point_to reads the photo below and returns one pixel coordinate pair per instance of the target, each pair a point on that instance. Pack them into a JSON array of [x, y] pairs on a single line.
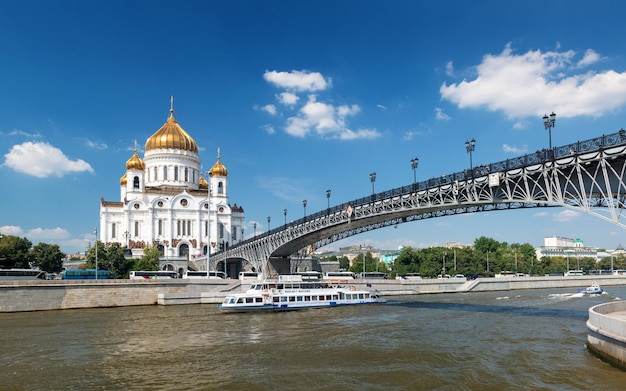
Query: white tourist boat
[[292, 293], [594, 289]]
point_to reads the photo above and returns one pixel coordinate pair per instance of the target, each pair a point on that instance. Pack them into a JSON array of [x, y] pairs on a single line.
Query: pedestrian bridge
[[587, 176]]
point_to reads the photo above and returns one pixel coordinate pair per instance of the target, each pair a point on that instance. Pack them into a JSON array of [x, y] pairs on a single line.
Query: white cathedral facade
[[166, 202]]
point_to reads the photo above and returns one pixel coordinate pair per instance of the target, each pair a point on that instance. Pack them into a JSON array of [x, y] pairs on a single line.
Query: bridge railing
[[538, 157]]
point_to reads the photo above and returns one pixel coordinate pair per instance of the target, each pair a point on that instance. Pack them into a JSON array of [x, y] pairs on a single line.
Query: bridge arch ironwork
[[586, 175]]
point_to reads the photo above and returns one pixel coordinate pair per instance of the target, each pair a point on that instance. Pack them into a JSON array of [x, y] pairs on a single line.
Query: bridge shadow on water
[[495, 309]]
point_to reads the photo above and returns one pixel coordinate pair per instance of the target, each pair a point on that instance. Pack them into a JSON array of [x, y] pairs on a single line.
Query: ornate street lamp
[[254, 225], [373, 179], [304, 205], [469, 147], [328, 197], [268, 223], [414, 163], [548, 123], [95, 232], [285, 213], [209, 174]]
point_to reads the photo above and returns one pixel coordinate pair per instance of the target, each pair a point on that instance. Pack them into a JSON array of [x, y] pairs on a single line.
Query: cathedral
[[166, 202]]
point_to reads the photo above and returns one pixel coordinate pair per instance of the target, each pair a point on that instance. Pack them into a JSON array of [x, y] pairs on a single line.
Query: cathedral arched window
[[136, 228], [164, 173], [136, 182], [175, 173], [220, 188], [186, 174]]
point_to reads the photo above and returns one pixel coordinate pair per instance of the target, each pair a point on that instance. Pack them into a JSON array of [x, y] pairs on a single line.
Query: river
[[516, 340]]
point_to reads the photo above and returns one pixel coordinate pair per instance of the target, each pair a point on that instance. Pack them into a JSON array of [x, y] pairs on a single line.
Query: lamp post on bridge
[[304, 205], [469, 147], [268, 223], [373, 179], [548, 123], [285, 213], [328, 198], [414, 163], [254, 226]]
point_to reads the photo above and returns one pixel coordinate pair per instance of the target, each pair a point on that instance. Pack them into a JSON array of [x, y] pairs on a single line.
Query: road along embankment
[[16, 296]]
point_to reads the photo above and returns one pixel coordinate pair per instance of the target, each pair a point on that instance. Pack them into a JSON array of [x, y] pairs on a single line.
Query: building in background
[[165, 202], [556, 246]]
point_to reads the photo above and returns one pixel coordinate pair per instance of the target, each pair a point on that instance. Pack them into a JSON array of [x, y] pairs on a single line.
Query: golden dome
[[123, 180], [218, 168], [135, 162], [202, 183], [171, 136]]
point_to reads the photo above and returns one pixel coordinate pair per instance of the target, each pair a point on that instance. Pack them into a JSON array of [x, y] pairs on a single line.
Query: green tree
[[15, 252], [486, 245], [118, 262], [344, 263], [149, 260], [47, 257], [90, 258], [370, 263]]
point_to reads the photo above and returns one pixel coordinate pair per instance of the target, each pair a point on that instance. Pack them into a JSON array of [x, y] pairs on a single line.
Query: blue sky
[[301, 97]]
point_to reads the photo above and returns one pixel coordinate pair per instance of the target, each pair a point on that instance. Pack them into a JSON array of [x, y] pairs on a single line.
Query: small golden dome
[[135, 162], [171, 136], [123, 180], [218, 168], [202, 183]]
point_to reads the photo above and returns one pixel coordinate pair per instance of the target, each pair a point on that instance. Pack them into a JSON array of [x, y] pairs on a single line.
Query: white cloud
[[47, 233], [327, 121], [287, 98], [18, 132], [314, 116], [515, 150], [533, 82], [449, 68], [269, 129], [297, 80], [93, 144], [440, 115], [382, 107], [270, 109], [566, 216], [11, 230], [591, 57], [42, 160]]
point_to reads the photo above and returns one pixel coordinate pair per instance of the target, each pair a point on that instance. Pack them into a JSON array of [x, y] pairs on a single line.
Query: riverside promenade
[[19, 296]]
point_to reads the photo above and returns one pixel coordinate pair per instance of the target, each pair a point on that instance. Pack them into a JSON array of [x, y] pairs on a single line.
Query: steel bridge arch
[[587, 176]]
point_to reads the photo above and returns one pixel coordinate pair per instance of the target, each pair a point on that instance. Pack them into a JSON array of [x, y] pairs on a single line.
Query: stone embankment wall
[[607, 332], [59, 294], [18, 296]]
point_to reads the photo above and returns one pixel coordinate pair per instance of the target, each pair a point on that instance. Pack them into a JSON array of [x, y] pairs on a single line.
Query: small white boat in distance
[[290, 293], [594, 289]]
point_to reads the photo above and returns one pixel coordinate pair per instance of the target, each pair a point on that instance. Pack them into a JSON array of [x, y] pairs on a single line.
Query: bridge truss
[[587, 176]]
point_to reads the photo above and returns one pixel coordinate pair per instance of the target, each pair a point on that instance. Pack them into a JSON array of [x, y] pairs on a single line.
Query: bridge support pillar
[[278, 266]]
